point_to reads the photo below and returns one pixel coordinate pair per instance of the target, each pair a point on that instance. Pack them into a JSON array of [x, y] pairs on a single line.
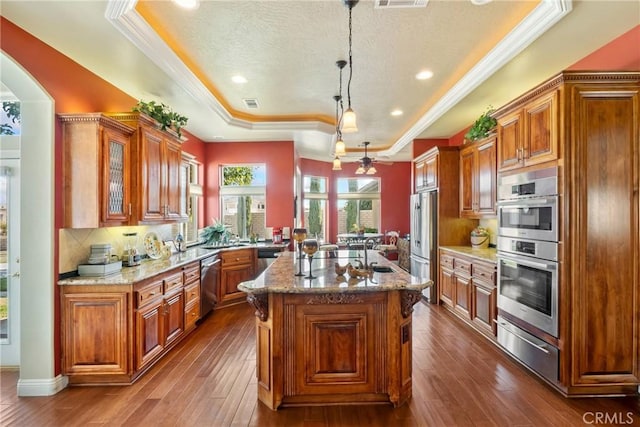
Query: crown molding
[[543, 17]]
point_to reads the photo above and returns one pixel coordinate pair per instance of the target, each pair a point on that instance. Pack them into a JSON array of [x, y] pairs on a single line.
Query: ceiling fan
[[366, 163]]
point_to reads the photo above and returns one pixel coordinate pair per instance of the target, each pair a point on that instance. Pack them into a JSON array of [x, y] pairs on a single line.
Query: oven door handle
[[539, 347], [521, 204], [527, 262]]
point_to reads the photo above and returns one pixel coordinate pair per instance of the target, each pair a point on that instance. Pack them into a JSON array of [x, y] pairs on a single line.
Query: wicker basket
[[479, 242]]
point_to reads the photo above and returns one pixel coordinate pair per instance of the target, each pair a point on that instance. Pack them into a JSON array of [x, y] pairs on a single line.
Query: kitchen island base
[[334, 348]]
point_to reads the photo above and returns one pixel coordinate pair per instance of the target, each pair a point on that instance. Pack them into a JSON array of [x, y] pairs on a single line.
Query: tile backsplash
[[75, 243]]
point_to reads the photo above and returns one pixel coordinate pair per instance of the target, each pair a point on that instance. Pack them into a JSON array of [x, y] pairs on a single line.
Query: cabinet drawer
[[486, 273], [172, 282], [462, 266], [446, 261], [191, 314], [191, 292], [148, 293], [242, 256], [191, 273]]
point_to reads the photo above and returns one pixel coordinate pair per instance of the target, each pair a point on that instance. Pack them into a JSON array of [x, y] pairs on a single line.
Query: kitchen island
[[333, 339]]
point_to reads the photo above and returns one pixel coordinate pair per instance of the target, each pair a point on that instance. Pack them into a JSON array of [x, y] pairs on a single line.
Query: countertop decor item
[[163, 114], [479, 238], [153, 245], [482, 127]]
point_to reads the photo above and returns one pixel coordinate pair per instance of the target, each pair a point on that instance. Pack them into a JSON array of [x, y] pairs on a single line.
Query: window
[[243, 199], [358, 204], [315, 206]]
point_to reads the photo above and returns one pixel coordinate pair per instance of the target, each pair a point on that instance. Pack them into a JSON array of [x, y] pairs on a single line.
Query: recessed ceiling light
[[238, 79], [188, 4], [396, 113], [424, 75]]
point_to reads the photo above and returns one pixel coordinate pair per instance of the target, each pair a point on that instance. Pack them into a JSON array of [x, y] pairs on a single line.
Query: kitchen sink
[[382, 269]]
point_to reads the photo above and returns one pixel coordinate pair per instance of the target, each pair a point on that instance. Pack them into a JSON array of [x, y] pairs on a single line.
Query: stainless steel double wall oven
[[528, 234]]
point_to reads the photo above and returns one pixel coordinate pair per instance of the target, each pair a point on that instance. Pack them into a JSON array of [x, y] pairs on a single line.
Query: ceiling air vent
[[386, 4], [250, 102]]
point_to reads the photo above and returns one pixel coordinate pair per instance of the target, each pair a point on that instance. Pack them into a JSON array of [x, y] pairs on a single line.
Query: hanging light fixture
[[349, 116], [366, 163], [337, 164], [340, 147]]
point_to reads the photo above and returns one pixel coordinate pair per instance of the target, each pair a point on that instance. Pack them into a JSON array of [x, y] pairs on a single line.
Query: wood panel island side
[[333, 339]]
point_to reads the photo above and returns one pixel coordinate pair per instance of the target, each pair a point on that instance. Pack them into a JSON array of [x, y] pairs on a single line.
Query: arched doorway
[[37, 228]]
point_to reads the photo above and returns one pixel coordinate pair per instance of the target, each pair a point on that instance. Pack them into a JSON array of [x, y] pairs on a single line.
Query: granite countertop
[[149, 268], [280, 277], [488, 254]]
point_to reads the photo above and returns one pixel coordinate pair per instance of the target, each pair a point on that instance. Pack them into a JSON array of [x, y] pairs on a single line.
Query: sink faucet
[[366, 245]]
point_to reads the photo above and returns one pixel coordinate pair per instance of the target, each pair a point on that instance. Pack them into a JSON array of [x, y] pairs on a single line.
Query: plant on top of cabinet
[[163, 114], [482, 127]]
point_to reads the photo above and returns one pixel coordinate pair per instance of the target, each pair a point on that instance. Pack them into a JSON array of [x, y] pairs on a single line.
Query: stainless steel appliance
[[209, 283], [423, 239], [528, 286], [528, 268]]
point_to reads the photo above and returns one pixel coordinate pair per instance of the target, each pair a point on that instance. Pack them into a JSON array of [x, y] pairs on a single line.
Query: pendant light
[[349, 116], [337, 164], [340, 147]]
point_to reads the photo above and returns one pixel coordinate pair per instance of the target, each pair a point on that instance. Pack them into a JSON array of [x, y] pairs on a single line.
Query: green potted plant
[[214, 234], [482, 127], [163, 114]]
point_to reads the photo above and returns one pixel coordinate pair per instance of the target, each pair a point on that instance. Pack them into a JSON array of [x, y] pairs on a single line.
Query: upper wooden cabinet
[[528, 134], [118, 169], [426, 172], [96, 169], [478, 179], [156, 175]]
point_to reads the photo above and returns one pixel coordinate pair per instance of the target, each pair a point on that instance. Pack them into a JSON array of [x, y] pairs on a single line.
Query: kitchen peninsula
[[333, 339]]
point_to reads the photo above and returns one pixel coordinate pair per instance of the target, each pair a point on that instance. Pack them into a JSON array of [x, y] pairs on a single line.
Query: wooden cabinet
[[119, 169], [191, 295], [528, 134], [96, 169], [159, 316], [95, 321], [478, 179], [157, 170], [426, 172], [601, 288], [468, 289], [111, 334], [238, 265]]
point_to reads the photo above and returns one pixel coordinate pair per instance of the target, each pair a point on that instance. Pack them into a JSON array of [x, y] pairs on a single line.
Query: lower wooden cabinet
[[468, 289], [113, 334], [238, 266]]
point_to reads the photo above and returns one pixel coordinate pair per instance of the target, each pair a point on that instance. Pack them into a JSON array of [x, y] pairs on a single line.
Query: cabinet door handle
[[518, 154], [129, 209]]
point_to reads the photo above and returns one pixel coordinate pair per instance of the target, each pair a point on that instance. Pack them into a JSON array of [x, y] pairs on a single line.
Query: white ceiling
[[480, 55]]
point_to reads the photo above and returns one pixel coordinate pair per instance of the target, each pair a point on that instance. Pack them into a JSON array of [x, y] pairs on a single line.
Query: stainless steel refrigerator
[[424, 239]]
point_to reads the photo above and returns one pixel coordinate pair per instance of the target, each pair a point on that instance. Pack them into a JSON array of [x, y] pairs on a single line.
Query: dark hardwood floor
[[459, 379]]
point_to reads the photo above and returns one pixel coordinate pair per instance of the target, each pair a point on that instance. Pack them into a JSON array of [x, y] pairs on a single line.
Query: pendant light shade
[[340, 147], [337, 164], [349, 121], [366, 163]]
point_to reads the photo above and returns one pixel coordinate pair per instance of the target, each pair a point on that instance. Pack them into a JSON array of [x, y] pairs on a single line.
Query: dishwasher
[[209, 283]]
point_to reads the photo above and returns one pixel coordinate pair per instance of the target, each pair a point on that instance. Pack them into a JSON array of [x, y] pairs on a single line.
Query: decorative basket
[[479, 242]]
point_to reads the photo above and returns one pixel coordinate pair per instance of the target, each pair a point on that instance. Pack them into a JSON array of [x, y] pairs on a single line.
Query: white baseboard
[[42, 387]]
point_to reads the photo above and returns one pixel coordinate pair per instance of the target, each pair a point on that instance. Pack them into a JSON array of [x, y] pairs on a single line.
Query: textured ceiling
[[287, 51]]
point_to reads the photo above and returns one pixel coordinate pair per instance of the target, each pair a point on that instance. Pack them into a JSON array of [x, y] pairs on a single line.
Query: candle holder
[[310, 247], [299, 234]]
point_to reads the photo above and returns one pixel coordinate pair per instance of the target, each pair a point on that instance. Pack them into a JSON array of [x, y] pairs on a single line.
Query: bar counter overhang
[[333, 339]]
